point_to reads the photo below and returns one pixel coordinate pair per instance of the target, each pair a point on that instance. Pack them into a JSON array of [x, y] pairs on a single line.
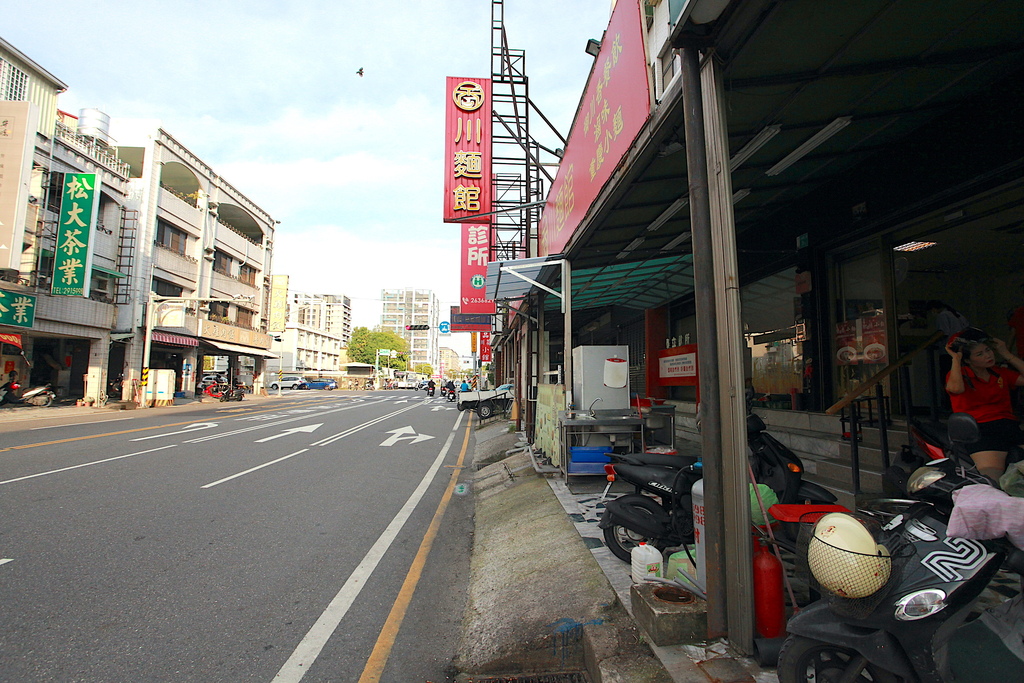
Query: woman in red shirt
[[975, 386]]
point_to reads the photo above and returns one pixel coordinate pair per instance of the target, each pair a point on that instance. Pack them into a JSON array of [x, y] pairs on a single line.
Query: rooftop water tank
[[94, 124]]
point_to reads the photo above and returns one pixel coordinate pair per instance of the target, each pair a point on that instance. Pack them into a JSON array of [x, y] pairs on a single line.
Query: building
[[204, 249], [81, 254], [331, 313], [317, 331], [450, 365], [60, 291], [403, 307]]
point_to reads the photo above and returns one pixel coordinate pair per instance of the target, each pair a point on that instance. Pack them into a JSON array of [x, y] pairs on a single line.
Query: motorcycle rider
[[431, 386], [9, 397]]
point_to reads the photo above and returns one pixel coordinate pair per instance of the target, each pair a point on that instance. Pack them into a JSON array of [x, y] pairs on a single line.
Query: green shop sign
[[71, 257], [17, 309]]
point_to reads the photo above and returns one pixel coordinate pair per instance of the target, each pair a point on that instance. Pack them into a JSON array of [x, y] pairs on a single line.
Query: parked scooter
[[39, 396], [8, 392], [897, 608], [233, 393], [668, 521]]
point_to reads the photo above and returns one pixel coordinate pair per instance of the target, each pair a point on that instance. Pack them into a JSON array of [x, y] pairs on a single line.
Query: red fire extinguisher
[[769, 603]]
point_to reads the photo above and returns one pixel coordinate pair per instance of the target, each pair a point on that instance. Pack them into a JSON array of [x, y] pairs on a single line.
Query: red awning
[[174, 339]]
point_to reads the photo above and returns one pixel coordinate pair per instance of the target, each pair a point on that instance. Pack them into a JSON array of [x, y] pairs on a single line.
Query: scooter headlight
[[920, 605]]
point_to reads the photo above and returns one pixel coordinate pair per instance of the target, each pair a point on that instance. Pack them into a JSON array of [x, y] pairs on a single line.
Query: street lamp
[[151, 302]]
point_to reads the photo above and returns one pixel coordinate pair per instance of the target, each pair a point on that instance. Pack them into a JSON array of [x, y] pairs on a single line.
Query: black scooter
[[907, 621], [668, 521]]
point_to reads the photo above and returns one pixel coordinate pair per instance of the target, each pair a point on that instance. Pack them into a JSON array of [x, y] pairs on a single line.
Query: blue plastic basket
[[589, 454]]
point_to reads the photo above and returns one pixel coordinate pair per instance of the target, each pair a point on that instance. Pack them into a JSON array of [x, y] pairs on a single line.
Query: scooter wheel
[[621, 540], [805, 659]]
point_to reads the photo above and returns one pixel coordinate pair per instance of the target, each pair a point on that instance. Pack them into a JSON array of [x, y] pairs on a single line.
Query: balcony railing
[[89, 146]]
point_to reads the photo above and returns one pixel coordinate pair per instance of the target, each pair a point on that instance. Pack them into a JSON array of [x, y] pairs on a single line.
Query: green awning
[[108, 271]]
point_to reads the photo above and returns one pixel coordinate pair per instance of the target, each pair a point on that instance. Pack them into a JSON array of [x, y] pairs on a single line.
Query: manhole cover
[[537, 678]]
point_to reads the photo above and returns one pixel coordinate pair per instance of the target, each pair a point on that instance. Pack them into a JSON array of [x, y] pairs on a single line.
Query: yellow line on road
[[389, 633], [125, 431]]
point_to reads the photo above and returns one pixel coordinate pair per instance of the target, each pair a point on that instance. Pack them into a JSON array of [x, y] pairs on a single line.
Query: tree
[[362, 347], [425, 369]]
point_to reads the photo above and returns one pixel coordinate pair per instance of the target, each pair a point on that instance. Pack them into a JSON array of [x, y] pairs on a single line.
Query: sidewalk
[[547, 597]]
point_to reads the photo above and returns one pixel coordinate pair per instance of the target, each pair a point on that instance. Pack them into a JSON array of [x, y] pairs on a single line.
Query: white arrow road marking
[[312, 644], [210, 437], [403, 433], [5, 560], [405, 401], [252, 469], [86, 464], [293, 430], [437, 408], [194, 427]]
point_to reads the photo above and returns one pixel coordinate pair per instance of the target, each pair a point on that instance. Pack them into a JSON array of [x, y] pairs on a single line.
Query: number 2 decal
[[948, 565]]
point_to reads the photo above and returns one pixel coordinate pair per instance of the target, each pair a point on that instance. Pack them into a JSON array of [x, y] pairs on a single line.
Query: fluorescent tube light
[[740, 194], [914, 246], [665, 215], [630, 247], [683, 237], [756, 143], [812, 143]]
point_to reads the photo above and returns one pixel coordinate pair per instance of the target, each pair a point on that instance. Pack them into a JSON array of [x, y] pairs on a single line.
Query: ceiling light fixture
[[756, 143], [665, 215], [676, 242], [630, 247], [914, 246], [812, 143]]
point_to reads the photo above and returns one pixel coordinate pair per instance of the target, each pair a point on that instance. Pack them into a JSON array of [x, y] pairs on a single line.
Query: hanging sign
[[17, 310], [72, 258], [467, 147], [475, 247]]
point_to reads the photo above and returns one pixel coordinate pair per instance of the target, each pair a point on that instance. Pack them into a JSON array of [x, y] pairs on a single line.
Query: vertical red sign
[[467, 150], [476, 242], [485, 347]]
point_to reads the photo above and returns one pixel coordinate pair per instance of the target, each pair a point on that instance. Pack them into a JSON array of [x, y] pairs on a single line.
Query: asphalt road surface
[[317, 536]]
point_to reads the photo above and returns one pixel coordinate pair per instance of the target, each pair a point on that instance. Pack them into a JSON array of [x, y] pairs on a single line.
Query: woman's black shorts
[[997, 435]]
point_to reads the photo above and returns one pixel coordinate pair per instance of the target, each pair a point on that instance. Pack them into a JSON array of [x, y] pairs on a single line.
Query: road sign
[[444, 327]]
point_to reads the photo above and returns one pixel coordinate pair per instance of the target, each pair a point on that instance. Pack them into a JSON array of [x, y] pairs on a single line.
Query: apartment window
[[218, 311], [171, 237], [247, 274], [13, 82], [165, 288], [244, 317], [221, 263]]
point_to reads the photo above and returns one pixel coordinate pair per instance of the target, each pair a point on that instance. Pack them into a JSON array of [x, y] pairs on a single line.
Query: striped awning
[[174, 339]]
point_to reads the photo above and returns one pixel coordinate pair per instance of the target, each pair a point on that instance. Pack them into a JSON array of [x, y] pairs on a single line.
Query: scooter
[[39, 396], [7, 393], [449, 393], [668, 521], [235, 393], [430, 392], [897, 611]]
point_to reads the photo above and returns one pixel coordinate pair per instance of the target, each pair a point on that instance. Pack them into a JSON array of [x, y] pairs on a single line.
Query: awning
[[515, 279], [173, 339], [240, 350], [108, 271]]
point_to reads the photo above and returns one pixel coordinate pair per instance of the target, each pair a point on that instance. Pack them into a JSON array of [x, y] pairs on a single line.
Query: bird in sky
[[360, 72]]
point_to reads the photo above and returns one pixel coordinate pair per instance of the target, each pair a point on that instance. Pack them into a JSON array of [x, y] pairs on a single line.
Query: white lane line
[[265, 425], [87, 464], [353, 430], [4, 560], [251, 469], [313, 642], [80, 424]]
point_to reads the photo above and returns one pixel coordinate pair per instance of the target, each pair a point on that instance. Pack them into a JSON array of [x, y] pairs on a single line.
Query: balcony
[[99, 153], [230, 286]]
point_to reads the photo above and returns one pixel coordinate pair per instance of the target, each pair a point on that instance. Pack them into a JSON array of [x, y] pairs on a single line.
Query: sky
[[267, 94]]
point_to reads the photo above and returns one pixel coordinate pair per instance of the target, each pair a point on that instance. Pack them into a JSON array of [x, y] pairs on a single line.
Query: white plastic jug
[[646, 561]]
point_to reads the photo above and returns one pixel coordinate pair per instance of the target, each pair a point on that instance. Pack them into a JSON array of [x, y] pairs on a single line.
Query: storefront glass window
[[860, 335], [774, 337]]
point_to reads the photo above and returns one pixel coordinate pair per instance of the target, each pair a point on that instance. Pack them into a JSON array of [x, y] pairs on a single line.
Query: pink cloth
[[984, 512]]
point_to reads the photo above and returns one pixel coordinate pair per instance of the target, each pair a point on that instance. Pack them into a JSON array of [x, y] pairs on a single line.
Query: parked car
[[487, 403], [324, 383], [290, 382]]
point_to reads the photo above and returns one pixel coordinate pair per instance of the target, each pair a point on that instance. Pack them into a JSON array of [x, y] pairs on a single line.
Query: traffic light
[[417, 327]]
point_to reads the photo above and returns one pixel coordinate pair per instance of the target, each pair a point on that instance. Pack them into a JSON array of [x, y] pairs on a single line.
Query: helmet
[[845, 558], [964, 340]]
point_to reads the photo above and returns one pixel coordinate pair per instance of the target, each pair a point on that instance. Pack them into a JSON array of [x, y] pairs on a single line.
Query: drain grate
[[537, 678]]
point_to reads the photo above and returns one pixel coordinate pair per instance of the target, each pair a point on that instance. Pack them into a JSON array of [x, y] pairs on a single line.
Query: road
[[316, 536]]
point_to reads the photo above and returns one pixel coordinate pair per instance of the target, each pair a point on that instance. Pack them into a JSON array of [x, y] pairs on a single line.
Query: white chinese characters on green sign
[[17, 309], [70, 272]]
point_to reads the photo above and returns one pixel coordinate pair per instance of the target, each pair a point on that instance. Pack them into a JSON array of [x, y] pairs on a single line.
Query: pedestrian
[[977, 387], [947, 319]]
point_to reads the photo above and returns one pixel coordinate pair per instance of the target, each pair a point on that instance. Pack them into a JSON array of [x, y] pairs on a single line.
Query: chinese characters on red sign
[[475, 247], [616, 104], [467, 150], [485, 347]]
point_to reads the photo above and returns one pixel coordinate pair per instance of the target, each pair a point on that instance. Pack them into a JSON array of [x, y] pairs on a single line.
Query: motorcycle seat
[[656, 459], [802, 513]]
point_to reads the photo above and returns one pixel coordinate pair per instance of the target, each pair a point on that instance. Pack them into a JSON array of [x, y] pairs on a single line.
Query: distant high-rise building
[[404, 307], [330, 313]]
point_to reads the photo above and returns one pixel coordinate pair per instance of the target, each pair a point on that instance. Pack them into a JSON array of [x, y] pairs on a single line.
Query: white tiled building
[[403, 307]]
